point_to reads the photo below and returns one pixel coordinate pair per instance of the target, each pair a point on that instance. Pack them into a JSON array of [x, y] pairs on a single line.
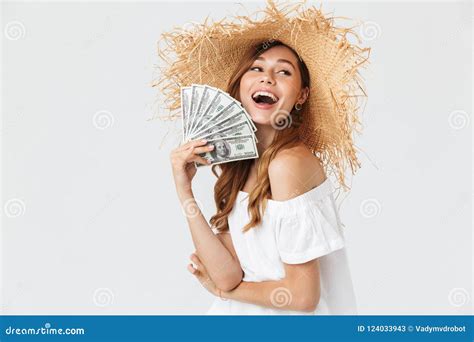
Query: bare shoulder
[[294, 171]]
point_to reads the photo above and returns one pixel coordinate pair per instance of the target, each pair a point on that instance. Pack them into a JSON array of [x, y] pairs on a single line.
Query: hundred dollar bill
[[230, 149], [185, 109], [208, 93], [216, 105], [220, 104], [231, 110], [232, 132], [196, 91], [239, 118], [243, 128], [241, 107]]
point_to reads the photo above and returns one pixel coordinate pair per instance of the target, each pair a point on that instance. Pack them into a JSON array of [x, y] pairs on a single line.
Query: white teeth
[[265, 93]]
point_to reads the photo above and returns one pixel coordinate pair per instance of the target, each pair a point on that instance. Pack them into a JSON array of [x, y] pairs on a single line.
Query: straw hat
[[208, 53]]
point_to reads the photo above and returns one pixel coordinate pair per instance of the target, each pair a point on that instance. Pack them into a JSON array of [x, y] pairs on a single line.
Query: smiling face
[[272, 85]]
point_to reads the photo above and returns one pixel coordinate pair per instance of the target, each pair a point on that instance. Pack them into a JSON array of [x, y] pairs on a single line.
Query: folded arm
[[215, 251], [299, 290]]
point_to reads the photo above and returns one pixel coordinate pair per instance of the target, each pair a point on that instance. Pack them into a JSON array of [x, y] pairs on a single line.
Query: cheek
[[245, 84], [290, 89]]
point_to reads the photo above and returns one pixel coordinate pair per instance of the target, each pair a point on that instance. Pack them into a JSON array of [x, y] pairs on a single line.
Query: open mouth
[[264, 97]]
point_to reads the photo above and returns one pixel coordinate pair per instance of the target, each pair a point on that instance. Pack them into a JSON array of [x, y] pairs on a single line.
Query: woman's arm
[[299, 290], [223, 267]]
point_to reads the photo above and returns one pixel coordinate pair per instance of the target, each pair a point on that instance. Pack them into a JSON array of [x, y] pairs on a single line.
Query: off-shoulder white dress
[[294, 231]]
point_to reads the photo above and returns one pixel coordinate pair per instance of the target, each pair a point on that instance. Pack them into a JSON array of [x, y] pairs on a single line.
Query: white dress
[[293, 231]]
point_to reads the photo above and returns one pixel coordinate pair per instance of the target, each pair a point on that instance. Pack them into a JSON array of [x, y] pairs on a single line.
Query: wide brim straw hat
[[209, 52]]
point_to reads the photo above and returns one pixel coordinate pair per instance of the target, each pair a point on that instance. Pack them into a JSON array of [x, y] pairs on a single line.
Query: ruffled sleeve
[[309, 231]]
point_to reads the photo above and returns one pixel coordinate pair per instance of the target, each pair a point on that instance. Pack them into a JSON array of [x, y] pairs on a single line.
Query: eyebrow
[[279, 61]]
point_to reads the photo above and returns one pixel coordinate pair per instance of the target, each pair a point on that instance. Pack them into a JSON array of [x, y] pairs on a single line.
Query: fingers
[[201, 160], [195, 259], [192, 143], [198, 268], [193, 154], [190, 151], [204, 149], [191, 269]]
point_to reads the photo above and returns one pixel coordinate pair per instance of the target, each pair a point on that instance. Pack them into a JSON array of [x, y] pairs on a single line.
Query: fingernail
[[204, 141], [211, 147]]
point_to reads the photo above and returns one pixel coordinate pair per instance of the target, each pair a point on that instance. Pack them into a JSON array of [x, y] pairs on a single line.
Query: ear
[[303, 96]]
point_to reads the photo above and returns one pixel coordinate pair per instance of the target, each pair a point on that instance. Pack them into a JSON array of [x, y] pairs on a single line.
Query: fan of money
[[212, 114]]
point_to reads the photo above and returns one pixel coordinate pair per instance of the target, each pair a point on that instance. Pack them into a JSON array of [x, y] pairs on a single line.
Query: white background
[[90, 220]]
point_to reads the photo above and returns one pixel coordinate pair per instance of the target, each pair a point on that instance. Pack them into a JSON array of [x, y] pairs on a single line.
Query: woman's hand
[[201, 274], [182, 162]]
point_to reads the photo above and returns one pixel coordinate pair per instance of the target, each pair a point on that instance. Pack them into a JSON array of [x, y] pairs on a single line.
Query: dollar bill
[[185, 109], [196, 90], [216, 105], [210, 113], [210, 121], [237, 118], [208, 93], [230, 149], [231, 132], [240, 105], [220, 104]]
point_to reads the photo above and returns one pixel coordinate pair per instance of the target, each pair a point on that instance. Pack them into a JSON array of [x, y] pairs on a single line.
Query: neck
[[264, 134]]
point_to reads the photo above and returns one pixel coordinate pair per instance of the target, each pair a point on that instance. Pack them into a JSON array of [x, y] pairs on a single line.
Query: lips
[[264, 99]]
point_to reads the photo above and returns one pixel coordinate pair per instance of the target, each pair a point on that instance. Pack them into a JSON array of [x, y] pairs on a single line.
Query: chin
[[260, 118]]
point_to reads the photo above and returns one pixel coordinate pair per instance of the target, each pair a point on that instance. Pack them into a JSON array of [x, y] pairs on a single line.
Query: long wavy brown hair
[[231, 177]]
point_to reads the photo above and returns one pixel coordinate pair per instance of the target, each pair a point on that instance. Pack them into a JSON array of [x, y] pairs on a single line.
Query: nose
[[266, 78]]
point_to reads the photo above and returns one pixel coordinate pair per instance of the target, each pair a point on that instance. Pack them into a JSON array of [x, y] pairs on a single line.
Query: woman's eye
[[285, 72]]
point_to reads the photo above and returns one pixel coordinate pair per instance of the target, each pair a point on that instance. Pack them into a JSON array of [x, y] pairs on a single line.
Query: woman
[[277, 245]]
